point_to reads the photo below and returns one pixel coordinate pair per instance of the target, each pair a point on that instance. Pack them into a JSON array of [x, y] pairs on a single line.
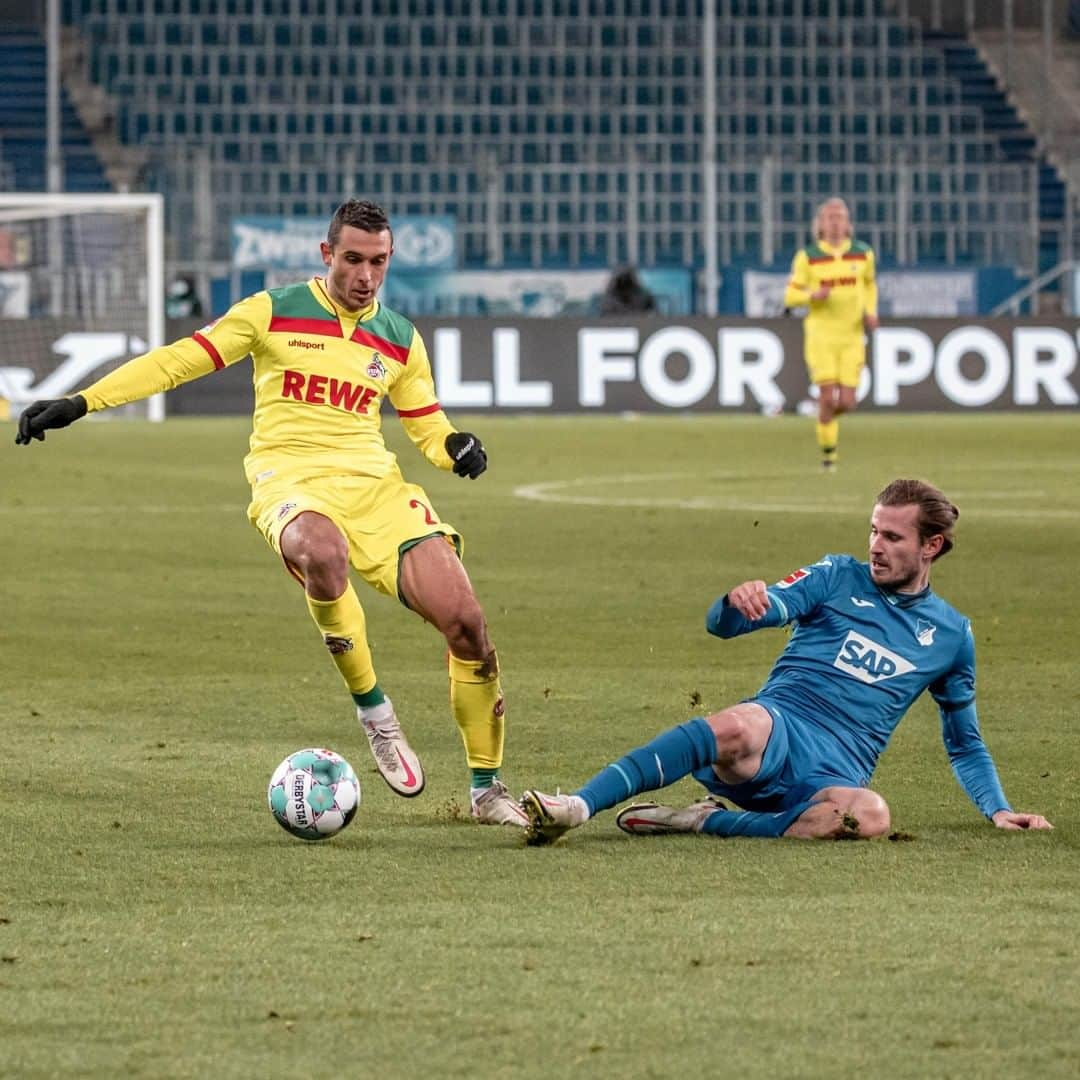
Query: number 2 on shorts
[[429, 518]]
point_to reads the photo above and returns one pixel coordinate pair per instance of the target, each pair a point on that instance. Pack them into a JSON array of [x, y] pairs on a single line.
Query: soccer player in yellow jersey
[[327, 493], [834, 277]]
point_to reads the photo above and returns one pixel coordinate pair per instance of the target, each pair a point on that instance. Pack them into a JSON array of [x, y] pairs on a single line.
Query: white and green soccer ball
[[314, 794]]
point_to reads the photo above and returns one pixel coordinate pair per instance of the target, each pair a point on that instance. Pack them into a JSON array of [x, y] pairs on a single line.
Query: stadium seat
[[845, 100]]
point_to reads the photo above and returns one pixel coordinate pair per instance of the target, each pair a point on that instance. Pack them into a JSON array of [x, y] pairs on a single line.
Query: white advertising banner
[[901, 293]]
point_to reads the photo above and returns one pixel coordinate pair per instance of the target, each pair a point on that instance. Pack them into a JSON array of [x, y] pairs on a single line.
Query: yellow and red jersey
[[848, 270], [320, 375]]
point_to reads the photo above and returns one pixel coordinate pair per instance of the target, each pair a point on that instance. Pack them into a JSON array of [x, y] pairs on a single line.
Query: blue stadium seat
[[423, 108]]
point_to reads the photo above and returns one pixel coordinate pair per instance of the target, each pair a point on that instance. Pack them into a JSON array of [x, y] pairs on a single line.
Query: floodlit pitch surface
[[158, 663]]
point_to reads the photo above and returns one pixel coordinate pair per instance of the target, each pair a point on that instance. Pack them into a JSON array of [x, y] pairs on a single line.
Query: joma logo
[[868, 661], [82, 352]]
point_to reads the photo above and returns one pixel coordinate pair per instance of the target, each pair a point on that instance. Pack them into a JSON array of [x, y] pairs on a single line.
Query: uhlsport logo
[[866, 660]]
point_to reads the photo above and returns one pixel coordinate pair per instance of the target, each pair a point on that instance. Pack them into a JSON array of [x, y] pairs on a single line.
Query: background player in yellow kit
[[327, 493], [834, 277]]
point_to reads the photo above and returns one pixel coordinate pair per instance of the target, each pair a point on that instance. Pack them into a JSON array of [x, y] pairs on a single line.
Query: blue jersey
[[859, 656]]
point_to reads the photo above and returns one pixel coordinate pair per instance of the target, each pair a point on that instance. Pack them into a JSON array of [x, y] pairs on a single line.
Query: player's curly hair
[[358, 214], [937, 515]]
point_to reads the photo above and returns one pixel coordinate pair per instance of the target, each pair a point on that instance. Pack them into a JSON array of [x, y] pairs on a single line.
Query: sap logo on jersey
[[868, 661]]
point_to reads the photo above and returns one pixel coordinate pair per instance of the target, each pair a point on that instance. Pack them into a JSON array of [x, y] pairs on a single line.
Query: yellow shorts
[[381, 518], [831, 362]]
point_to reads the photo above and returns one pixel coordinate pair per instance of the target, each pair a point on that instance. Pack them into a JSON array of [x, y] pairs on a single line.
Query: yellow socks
[[477, 704], [344, 631], [475, 694], [828, 435]]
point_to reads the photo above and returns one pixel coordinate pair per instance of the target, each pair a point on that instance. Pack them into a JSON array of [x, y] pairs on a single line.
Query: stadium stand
[[22, 122], [979, 88], [538, 122]]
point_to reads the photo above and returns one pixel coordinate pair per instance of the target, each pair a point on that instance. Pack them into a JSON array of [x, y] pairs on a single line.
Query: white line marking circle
[[569, 492]]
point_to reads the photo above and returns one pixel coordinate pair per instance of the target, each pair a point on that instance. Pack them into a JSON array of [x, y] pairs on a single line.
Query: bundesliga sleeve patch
[[793, 578]]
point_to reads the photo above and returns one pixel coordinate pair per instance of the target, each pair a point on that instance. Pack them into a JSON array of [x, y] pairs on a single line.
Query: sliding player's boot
[[652, 819], [551, 816]]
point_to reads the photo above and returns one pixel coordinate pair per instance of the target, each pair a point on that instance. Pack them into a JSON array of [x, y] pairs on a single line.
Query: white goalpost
[[82, 290]]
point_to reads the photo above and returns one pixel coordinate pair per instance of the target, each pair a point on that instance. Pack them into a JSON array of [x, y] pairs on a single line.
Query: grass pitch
[[157, 664]]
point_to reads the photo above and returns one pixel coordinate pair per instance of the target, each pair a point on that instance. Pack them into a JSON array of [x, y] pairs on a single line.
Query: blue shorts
[[799, 760]]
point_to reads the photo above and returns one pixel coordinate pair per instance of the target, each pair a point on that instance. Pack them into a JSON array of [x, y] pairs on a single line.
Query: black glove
[[39, 416], [470, 457]]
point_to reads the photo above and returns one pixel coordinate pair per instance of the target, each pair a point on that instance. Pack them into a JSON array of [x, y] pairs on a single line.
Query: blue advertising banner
[[274, 242], [531, 293]]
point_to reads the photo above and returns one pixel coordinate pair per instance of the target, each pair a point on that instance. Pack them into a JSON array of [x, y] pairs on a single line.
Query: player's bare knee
[[854, 814], [465, 631], [316, 547], [874, 816], [731, 732]]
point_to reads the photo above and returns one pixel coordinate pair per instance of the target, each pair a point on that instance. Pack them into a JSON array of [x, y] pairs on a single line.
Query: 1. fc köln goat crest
[[375, 368]]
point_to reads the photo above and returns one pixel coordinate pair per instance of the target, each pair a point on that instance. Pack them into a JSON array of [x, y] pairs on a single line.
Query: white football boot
[[551, 816], [395, 759], [496, 806], [652, 819]]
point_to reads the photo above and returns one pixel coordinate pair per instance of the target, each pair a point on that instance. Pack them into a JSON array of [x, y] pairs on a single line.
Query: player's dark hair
[[937, 516], [358, 214]]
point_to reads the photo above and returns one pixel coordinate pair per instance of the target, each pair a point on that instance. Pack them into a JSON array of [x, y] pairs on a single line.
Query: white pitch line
[[125, 508], [562, 492]]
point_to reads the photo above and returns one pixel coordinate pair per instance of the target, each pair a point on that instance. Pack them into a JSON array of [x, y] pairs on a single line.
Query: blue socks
[[669, 757], [752, 822]]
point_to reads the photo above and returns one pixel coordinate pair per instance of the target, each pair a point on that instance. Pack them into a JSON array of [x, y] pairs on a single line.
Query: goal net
[[81, 291]]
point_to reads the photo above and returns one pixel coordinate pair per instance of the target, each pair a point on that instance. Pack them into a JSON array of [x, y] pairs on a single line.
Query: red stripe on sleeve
[[208, 345], [427, 410]]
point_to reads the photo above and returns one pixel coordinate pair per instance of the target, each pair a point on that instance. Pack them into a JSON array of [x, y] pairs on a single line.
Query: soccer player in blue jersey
[[868, 638]]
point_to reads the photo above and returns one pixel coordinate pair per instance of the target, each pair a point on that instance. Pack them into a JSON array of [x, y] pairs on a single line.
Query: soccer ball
[[313, 794]]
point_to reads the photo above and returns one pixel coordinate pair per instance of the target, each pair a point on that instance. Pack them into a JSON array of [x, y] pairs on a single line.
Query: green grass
[[157, 664]]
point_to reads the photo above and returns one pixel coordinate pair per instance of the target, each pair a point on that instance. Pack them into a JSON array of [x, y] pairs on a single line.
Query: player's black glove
[[470, 457], [39, 416]]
